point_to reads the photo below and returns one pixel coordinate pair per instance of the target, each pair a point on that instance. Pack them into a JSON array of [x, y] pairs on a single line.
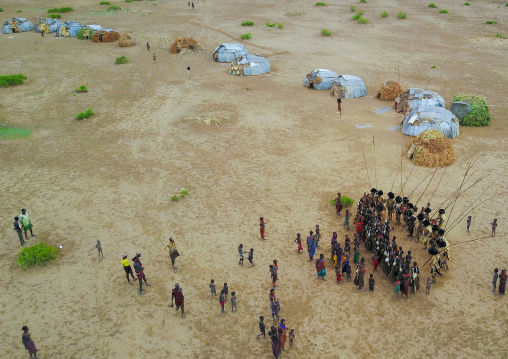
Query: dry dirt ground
[[282, 154]]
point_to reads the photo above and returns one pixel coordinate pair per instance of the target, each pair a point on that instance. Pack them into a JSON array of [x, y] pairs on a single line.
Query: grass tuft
[[114, 8], [362, 20], [293, 12], [82, 89], [248, 23], [55, 16], [60, 10], [121, 60], [280, 26], [352, 8], [432, 5], [84, 115], [491, 22], [38, 254], [443, 11], [401, 15], [104, 3], [384, 14], [12, 80], [246, 36], [325, 32], [320, 4]]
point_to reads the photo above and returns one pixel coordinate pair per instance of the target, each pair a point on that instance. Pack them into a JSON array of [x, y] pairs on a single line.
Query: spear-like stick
[[364, 160], [410, 173], [425, 190]]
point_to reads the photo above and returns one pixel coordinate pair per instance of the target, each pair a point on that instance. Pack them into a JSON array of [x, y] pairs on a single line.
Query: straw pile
[[431, 148], [389, 91], [106, 36], [125, 40], [185, 45], [337, 90]]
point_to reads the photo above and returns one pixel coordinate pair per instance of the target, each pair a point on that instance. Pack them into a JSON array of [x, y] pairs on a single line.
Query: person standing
[[240, 252], [154, 58], [173, 252], [494, 280], [428, 285], [139, 273], [99, 249], [273, 274], [192, 5], [213, 291], [502, 282], [262, 228], [320, 267], [18, 230], [346, 219], [361, 274], [375, 259], [178, 298], [468, 223], [262, 327], [298, 241], [493, 224], [251, 257], [282, 333], [28, 343], [311, 245], [233, 302], [372, 281], [275, 341], [222, 300], [338, 204], [147, 46], [26, 223], [339, 109], [127, 268]]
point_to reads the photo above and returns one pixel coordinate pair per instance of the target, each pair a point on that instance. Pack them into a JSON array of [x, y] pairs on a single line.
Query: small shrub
[[175, 198], [401, 15], [184, 193], [491, 22], [346, 201], [443, 11], [246, 36], [248, 23], [466, 3], [55, 16], [320, 4], [362, 20], [479, 115], [352, 8], [432, 5], [325, 32], [60, 9], [104, 3], [19, 11], [82, 89], [293, 12], [363, 1], [114, 8], [356, 16], [360, 12], [384, 14], [280, 26], [12, 80], [269, 25], [121, 60], [128, 0], [1, 9], [499, 36], [38, 254], [84, 115], [433, 66], [83, 31]]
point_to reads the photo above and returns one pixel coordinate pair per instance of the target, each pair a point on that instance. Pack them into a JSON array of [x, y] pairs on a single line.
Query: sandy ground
[[283, 154]]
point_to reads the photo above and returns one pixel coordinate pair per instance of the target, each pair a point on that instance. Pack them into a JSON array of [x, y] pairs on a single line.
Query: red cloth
[[262, 232], [300, 248], [179, 298], [339, 277], [375, 264], [320, 265]]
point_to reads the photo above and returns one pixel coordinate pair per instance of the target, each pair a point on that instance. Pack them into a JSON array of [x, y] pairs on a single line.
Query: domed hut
[[69, 29], [415, 97], [126, 40], [471, 110], [17, 24], [105, 35], [229, 52], [48, 25], [185, 45], [250, 65], [389, 91], [320, 79], [431, 149], [348, 86], [431, 118]]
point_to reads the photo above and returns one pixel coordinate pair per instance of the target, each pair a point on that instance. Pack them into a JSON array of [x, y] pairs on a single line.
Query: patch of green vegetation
[[293, 12], [443, 11], [19, 11], [175, 198], [466, 3], [269, 25], [184, 193], [352, 8], [246, 36], [346, 201], [1, 9], [12, 80], [363, 1], [491, 22], [104, 3], [248, 23], [384, 14], [128, 0], [432, 5], [84, 115], [356, 16], [280, 26], [83, 31], [9, 133], [362, 20], [60, 9], [499, 36], [114, 8], [325, 32], [39, 254], [55, 16], [433, 66], [121, 60], [360, 12], [320, 4], [401, 15], [479, 116], [81, 89]]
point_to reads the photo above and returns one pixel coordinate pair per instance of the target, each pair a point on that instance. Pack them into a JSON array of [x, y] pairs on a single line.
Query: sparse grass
[[84, 115], [491, 22], [105, 3], [9, 133], [269, 25], [114, 8], [184, 193], [356, 16], [362, 20], [320, 4], [325, 32], [175, 198], [246, 36], [60, 10], [499, 36], [82, 89], [12, 80], [280, 26], [384, 14], [479, 116], [1, 9], [19, 11], [466, 3], [352, 8], [363, 1], [128, 0], [432, 5], [55, 16], [443, 11], [248, 23], [401, 15], [433, 66], [121, 60], [293, 12]]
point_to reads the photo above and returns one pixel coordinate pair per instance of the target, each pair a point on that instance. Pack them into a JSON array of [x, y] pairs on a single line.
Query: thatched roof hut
[[105, 35], [185, 45], [431, 149], [431, 118], [17, 24], [69, 29], [389, 91], [229, 52], [320, 79], [125, 40], [48, 25], [250, 65]]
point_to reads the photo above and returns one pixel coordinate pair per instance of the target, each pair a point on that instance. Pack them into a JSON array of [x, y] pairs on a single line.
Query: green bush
[[444, 11], [19, 11], [246, 36], [352, 8], [346, 201], [114, 8], [81, 89], [320, 4], [11, 80], [362, 20], [269, 25], [104, 3], [83, 115], [432, 5], [248, 23], [491, 22], [60, 9], [433, 66], [401, 15], [325, 32], [466, 3], [128, 0], [356, 16], [184, 193], [1, 9], [121, 60], [479, 116], [83, 31], [55, 16], [384, 14], [363, 1], [280, 26], [360, 12], [38, 254]]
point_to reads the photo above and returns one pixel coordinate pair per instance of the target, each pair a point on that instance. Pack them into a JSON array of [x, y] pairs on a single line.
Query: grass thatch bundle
[[479, 115], [185, 45], [389, 91], [104, 36], [337, 90], [125, 40], [431, 148]]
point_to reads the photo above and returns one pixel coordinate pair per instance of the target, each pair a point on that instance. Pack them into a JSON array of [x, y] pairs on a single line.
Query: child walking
[[372, 281], [240, 252], [291, 337], [494, 280], [338, 274], [427, 286], [99, 249], [396, 291], [222, 299], [298, 241], [233, 302], [213, 291], [262, 327], [251, 257]]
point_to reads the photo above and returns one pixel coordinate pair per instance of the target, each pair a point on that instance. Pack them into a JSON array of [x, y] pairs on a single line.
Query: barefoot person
[[178, 298], [274, 338], [311, 245], [18, 230], [320, 267], [26, 223], [99, 249], [338, 204], [28, 343], [262, 228], [127, 268], [173, 252], [502, 282]]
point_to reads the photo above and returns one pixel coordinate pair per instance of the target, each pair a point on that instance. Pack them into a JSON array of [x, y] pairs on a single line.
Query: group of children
[[250, 257], [223, 296], [23, 224]]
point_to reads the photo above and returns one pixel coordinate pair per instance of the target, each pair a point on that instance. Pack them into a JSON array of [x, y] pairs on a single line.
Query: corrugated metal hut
[[69, 29], [431, 118], [105, 35], [348, 86], [320, 79], [415, 97], [48, 25], [250, 65], [229, 52], [17, 24]]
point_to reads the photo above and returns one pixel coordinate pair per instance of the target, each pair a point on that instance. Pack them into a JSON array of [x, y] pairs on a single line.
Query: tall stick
[[410, 173], [401, 154], [458, 193], [364, 160], [395, 178], [433, 193], [375, 166], [418, 185]]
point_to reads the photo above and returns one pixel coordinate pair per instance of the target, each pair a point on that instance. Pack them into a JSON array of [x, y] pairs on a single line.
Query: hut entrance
[[101, 37]]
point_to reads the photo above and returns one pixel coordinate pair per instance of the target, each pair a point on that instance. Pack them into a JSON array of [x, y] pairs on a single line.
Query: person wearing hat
[[127, 268], [28, 343], [178, 298], [441, 218], [427, 230]]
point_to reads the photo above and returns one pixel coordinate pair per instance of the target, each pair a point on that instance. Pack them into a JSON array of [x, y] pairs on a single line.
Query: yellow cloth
[[335, 260], [170, 247], [125, 262]]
